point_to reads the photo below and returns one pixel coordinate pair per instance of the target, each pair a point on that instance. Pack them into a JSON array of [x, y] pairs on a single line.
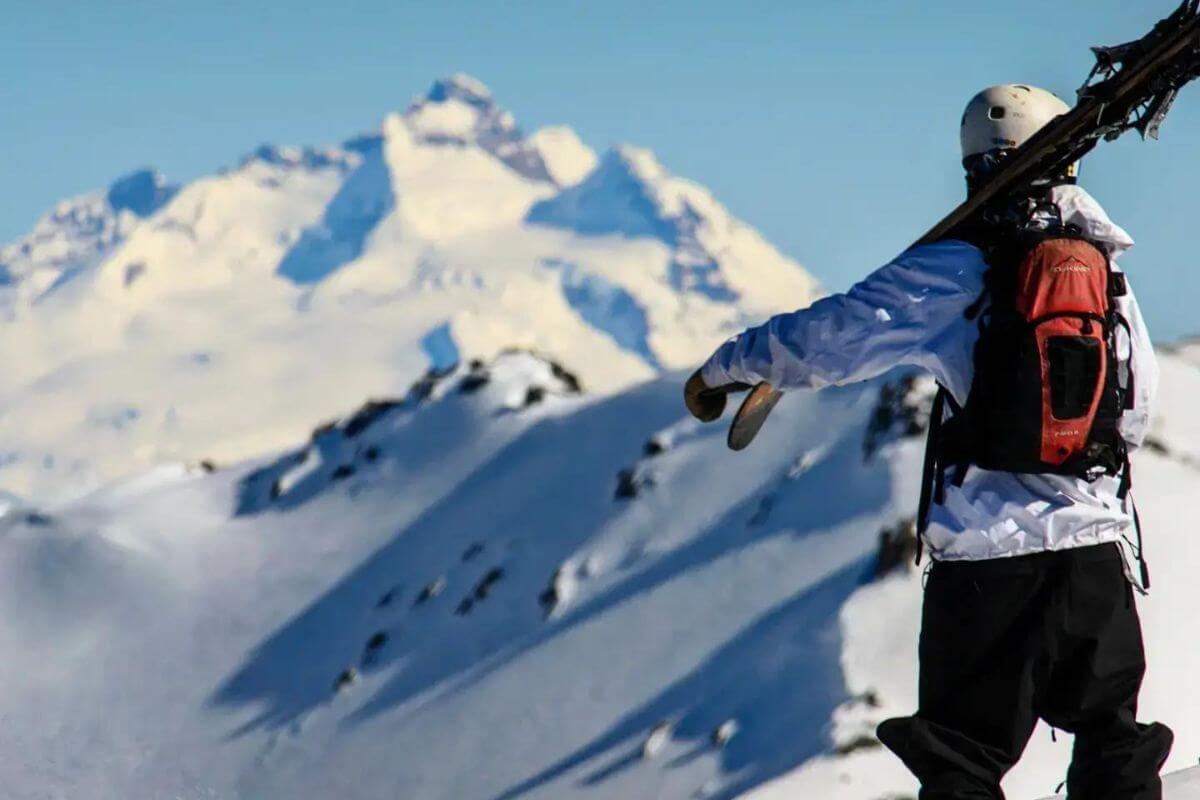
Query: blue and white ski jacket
[[910, 312]]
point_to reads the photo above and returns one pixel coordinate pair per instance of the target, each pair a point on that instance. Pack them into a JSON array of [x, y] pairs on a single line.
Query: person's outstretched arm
[[910, 311]]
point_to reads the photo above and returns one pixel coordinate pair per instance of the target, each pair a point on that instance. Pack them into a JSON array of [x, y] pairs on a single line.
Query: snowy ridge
[[630, 194], [323, 273], [351, 613], [78, 234], [495, 586]]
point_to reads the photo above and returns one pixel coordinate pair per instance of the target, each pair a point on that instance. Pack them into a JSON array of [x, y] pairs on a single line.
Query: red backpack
[[1049, 385]]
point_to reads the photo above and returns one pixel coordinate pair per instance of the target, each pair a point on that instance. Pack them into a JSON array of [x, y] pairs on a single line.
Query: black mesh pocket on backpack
[[1074, 374]]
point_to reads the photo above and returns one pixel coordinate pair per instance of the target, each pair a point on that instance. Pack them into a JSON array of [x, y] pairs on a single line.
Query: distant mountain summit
[[460, 110], [220, 318], [78, 233]]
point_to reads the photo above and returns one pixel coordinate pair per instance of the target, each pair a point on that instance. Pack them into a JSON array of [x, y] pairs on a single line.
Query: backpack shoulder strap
[[931, 469]]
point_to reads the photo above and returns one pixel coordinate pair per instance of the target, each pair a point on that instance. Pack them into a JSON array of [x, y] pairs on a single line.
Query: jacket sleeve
[[909, 312], [1135, 423]]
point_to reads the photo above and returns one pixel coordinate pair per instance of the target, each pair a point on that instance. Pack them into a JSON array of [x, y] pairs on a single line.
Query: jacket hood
[[1081, 209]]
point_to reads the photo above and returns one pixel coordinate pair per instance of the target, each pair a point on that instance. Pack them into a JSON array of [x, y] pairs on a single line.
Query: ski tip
[[750, 417]]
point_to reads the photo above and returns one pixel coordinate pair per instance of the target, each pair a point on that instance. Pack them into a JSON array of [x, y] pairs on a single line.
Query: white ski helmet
[[1005, 117]]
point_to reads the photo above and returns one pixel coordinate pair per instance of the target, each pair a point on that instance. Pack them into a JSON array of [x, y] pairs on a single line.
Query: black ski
[[1132, 87]]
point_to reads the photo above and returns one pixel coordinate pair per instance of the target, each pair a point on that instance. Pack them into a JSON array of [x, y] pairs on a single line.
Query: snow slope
[[498, 587], [1184, 785], [306, 279], [525, 575]]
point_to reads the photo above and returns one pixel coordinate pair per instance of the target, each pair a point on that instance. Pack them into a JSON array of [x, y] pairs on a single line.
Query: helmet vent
[[997, 112]]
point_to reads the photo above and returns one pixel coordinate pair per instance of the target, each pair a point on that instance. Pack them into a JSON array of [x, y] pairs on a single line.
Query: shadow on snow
[[775, 699], [364, 199]]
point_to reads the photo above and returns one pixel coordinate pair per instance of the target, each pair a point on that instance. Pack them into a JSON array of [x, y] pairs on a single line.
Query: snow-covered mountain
[[414, 509], [221, 319], [498, 586]]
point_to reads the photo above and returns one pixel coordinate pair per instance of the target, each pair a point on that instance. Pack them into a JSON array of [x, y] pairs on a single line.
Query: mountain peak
[[460, 111], [143, 192], [461, 86]]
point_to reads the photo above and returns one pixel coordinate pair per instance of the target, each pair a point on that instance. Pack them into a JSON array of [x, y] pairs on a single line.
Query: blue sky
[[832, 127]]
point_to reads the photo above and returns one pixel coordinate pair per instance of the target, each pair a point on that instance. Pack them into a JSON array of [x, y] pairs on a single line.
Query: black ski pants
[[1007, 641]]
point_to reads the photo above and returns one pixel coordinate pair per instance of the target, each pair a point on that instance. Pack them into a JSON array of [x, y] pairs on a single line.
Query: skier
[[1047, 379]]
